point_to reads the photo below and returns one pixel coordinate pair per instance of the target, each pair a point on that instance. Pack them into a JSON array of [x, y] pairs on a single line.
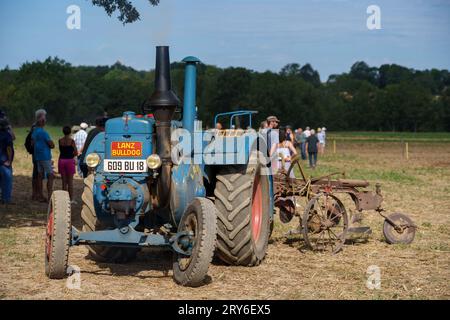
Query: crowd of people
[[72, 149], [284, 143]]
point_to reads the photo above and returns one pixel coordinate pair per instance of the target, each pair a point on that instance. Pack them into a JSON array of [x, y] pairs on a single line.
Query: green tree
[[127, 12]]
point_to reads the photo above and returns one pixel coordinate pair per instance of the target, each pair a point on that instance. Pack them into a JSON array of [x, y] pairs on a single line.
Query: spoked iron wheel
[[325, 223]]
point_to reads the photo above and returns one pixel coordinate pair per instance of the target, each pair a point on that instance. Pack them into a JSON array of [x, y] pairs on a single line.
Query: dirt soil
[[419, 186]]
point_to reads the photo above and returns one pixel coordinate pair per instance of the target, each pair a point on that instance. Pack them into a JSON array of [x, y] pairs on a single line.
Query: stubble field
[[419, 186]]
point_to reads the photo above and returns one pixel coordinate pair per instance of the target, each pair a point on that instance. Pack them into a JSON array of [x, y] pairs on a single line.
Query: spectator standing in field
[[36, 183], [284, 150], [42, 144], [80, 139], [324, 131], [321, 137], [273, 137], [6, 160], [307, 132], [300, 140], [263, 125], [9, 129], [290, 135], [100, 123], [66, 161], [312, 145]]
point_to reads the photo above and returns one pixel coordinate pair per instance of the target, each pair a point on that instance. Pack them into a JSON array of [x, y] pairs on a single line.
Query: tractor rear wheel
[[57, 240], [243, 209], [199, 219], [92, 223]]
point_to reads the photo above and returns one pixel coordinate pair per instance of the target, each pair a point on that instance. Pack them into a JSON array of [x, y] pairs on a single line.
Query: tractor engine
[[133, 171]]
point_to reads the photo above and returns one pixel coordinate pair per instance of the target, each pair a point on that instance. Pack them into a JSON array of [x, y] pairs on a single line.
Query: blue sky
[[257, 34]]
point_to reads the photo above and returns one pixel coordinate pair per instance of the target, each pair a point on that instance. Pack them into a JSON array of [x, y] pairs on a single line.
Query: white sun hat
[[83, 125]]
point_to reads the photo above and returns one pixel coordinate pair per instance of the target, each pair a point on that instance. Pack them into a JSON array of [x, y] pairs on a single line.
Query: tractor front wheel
[[57, 238], [199, 220]]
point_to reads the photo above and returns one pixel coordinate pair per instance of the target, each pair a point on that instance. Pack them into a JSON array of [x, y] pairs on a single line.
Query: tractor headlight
[[154, 161], [92, 160]]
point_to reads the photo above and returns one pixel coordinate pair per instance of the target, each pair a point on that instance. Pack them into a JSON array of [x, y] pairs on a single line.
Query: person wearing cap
[[273, 137], [42, 145]]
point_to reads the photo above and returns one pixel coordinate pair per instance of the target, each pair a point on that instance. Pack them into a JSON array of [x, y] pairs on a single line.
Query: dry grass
[[419, 187]]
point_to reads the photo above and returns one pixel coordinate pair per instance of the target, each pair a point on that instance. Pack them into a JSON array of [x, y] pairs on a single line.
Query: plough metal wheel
[[405, 231], [325, 223], [57, 238], [199, 219]]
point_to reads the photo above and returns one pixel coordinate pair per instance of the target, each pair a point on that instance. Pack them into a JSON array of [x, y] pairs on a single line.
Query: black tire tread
[[233, 194], [196, 275]]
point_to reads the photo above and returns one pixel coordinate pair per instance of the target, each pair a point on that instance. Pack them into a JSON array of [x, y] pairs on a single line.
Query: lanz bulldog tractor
[[139, 194]]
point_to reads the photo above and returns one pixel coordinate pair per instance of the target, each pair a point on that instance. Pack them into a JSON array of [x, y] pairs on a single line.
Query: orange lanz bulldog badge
[[126, 149]]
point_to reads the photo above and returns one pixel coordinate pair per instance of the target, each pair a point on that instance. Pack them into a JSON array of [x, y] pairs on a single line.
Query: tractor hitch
[[180, 242]]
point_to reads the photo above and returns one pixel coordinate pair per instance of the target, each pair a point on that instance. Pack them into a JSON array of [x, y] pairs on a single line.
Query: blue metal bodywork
[[187, 179]]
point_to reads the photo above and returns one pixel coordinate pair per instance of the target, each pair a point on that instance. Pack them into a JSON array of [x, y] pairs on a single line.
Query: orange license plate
[[126, 149]]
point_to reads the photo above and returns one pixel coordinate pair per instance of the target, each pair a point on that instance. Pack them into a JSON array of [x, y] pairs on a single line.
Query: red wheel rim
[[49, 234], [257, 209]]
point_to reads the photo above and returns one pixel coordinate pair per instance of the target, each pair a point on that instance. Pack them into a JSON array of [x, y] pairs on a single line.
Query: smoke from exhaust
[[162, 18]]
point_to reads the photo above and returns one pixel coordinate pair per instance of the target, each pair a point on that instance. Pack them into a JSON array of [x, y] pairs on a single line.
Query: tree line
[[388, 98]]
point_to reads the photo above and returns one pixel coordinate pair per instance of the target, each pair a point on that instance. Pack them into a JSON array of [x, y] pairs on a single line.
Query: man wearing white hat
[[80, 137], [80, 140]]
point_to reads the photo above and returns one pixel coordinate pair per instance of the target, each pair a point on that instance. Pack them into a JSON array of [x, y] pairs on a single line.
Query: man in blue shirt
[[42, 144], [6, 159]]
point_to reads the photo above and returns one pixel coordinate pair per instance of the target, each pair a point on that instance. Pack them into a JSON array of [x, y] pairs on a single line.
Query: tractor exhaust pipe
[[163, 103]]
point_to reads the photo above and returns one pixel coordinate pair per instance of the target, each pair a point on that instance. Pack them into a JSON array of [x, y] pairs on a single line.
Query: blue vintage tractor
[[141, 191]]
